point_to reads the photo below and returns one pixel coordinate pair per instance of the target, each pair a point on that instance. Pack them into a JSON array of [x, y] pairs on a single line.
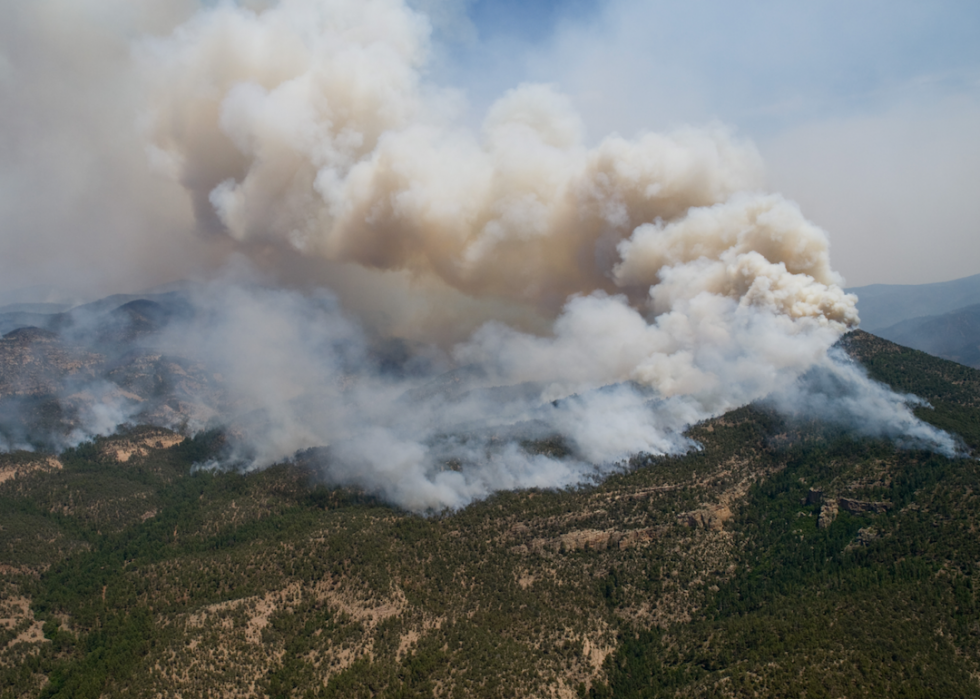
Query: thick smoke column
[[306, 135], [310, 126]]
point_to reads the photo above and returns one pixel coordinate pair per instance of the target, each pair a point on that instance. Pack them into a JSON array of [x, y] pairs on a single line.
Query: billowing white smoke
[[310, 126], [839, 391], [298, 373], [677, 288]]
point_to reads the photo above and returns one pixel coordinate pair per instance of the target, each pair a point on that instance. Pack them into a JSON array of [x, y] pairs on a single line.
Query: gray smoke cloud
[[839, 391], [298, 375], [502, 288]]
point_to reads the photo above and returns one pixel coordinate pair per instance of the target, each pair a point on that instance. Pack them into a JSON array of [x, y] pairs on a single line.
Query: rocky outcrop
[[124, 447], [862, 507], [586, 539], [589, 540], [830, 508], [635, 537], [14, 467], [864, 537], [712, 518], [828, 513]]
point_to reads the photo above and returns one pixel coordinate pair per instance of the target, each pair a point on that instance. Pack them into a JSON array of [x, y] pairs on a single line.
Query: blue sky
[[762, 62], [867, 112]]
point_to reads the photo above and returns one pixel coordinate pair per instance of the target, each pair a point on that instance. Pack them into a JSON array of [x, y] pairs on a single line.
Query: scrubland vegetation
[[703, 575]]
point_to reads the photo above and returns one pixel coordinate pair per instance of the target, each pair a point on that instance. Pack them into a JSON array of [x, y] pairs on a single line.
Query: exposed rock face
[[589, 540], [635, 537], [814, 497], [124, 448], [11, 467], [713, 518], [861, 507], [855, 507], [828, 513], [864, 537]]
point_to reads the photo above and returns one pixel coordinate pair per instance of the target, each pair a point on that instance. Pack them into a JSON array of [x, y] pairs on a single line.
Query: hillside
[[954, 336], [884, 305], [942, 319], [99, 363], [779, 560]]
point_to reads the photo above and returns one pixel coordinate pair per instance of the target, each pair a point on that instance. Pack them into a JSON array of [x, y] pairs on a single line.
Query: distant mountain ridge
[[883, 305], [942, 319], [151, 310], [35, 308], [954, 336]]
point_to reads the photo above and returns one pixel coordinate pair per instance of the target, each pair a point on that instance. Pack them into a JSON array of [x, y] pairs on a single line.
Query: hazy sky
[[866, 112]]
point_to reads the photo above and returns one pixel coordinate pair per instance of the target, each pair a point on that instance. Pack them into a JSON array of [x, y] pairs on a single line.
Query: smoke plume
[[612, 293]]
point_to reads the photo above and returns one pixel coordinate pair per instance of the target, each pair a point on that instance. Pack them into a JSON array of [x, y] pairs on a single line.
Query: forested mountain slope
[[780, 559]]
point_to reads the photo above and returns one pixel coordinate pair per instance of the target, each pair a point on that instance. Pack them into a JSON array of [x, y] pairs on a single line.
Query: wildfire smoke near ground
[[611, 293], [342, 357]]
